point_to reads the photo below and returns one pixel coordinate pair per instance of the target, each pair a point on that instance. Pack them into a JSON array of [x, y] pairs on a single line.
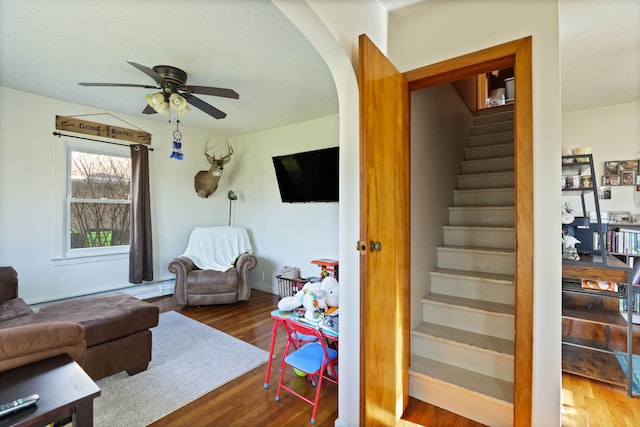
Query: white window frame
[[102, 149]]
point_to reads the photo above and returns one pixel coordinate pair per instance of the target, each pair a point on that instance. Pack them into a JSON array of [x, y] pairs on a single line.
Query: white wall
[[31, 199], [440, 123], [445, 29], [612, 133], [333, 29], [282, 233]]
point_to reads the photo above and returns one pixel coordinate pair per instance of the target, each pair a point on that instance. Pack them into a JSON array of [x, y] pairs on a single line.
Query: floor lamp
[[231, 196]]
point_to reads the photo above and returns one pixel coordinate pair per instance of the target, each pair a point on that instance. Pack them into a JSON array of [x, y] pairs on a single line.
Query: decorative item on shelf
[[582, 150], [568, 150], [569, 250], [177, 143], [231, 195]]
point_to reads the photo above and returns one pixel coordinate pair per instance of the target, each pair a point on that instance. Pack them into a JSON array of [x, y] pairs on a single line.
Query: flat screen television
[[310, 176]]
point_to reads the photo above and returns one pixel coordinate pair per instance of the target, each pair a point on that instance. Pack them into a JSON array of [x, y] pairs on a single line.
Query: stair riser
[[481, 322], [490, 139], [499, 197], [476, 153], [490, 180], [497, 217], [479, 237], [461, 401], [469, 260], [501, 164], [493, 115], [495, 127], [473, 288], [466, 357]]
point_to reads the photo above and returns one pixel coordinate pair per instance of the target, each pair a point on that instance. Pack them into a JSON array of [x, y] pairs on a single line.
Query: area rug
[[189, 359], [622, 359]]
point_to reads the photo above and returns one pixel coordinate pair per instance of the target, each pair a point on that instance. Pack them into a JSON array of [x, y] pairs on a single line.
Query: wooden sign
[[72, 124]]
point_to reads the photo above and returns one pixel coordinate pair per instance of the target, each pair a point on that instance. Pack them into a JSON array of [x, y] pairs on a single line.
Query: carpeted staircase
[[463, 350]]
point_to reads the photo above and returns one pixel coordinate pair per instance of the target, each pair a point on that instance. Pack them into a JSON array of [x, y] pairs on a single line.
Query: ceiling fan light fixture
[[185, 110], [157, 102], [177, 102]]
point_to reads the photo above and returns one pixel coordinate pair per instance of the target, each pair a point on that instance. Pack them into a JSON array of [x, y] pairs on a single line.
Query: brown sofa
[[115, 328]]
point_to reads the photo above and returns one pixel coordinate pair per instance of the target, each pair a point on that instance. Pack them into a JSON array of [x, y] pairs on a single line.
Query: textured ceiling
[[47, 47]]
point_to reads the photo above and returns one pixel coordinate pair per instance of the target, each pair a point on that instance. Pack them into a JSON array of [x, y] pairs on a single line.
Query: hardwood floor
[[245, 402]]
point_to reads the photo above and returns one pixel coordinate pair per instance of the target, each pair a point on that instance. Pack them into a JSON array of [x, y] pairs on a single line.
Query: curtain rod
[[58, 134]]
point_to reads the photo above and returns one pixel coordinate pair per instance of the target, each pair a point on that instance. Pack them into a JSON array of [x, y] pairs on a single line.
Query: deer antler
[[222, 159]]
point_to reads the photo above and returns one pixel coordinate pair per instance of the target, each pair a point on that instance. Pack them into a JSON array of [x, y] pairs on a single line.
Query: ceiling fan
[[174, 91]]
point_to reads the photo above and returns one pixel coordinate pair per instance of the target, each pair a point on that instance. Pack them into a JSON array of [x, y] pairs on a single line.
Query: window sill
[[83, 258]]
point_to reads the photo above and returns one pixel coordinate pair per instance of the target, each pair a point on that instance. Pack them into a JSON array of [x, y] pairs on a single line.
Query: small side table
[[64, 387]]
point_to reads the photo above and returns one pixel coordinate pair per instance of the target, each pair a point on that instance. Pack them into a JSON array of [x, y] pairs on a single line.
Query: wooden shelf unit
[[586, 357]]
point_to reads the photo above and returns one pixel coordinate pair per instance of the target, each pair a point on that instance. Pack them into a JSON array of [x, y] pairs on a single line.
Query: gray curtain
[[141, 251]]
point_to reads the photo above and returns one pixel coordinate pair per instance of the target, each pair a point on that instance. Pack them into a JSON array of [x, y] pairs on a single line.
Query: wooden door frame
[[516, 54]]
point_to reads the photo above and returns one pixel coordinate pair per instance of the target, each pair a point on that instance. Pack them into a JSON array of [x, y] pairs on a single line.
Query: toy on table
[[323, 295]]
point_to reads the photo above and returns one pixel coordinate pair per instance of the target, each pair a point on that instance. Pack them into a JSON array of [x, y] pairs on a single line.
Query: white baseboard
[[148, 290]]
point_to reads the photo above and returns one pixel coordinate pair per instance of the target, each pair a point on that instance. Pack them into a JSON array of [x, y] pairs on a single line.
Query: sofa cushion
[[13, 308], [105, 318]]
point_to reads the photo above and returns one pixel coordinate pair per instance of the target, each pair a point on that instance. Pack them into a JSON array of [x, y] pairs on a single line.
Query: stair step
[[475, 396], [482, 317], [489, 151], [487, 260], [499, 216], [485, 342], [493, 127], [487, 237], [486, 180], [494, 164], [492, 287], [484, 197], [480, 353], [489, 111], [491, 139]]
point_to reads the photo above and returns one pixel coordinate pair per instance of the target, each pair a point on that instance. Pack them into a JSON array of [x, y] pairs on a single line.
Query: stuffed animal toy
[[331, 295], [311, 303], [291, 303]]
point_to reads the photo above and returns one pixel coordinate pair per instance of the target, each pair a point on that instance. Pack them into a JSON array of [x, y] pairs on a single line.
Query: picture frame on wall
[[611, 168], [619, 216], [628, 165], [611, 180], [627, 178], [605, 192]]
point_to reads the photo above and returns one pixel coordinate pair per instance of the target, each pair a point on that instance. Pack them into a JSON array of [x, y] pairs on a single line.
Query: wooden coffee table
[[65, 391]]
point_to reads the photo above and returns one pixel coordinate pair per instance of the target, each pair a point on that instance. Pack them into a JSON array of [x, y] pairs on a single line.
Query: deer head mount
[[206, 182]]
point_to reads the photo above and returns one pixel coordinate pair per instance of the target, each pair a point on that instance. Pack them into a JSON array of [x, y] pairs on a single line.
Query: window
[[98, 200]]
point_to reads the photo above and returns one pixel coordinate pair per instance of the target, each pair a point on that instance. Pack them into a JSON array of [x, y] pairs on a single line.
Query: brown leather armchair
[[21, 345], [224, 284]]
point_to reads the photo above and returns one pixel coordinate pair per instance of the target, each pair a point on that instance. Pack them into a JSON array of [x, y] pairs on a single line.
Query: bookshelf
[[596, 307], [589, 356]]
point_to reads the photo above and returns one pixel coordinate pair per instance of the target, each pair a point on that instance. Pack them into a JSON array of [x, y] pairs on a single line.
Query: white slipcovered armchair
[[214, 269]]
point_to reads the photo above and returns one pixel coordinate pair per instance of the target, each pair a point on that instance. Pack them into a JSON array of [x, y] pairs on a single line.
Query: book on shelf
[[619, 241], [635, 304], [600, 285]]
